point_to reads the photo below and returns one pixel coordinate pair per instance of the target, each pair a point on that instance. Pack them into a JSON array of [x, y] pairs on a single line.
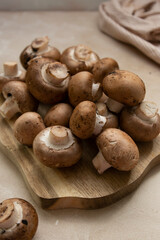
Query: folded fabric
[[136, 22]]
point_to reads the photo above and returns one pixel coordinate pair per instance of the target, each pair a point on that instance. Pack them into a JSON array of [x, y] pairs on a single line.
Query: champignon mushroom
[[116, 149], [11, 73], [18, 220], [79, 58], [57, 147], [103, 67], [81, 87], [47, 80], [17, 99], [27, 126], [142, 122], [59, 114], [123, 87], [88, 119], [39, 47]]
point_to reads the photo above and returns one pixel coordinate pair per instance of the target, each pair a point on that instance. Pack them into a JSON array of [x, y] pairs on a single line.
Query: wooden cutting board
[[79, 186]]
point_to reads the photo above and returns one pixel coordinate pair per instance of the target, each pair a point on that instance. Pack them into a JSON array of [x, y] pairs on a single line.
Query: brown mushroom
[[123, 87], [27, 126], [142, 122], [18, 220], [88, 119], [82, 87], [39, 47], [79, 58], [56, 146], [103, 67], [59, 114], [116, 149], [47, 80], [17, 99], [11, 73]]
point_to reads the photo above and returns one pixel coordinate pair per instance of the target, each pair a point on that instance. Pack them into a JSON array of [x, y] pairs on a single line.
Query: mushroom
[[142, 122], [17, 99], [116, 149], [10, 73], [82, 87], [27, 126], [59, 114], [79, 58], [103, 67], [47, 80], [88, 119], [39, 47], [123, 87], [18, 220], [56, 146]]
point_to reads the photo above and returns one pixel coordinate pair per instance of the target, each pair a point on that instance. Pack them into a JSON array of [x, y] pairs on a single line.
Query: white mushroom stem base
[[114, 106], [100, 163], [9, 108], [10, 215]]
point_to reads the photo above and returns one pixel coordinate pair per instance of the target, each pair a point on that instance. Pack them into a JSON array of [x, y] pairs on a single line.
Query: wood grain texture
[[79, 186]]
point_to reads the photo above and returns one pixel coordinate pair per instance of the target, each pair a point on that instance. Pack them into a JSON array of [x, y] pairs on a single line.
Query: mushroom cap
[[80, 88], [118, 148], [76, 64], [4, 79], [28, 53], [20, 93], [47, 153], [59, 114], [27, 228], [124, 87], [43, 90], [103, 67], [137, 128], [83, 118], [27, 126]]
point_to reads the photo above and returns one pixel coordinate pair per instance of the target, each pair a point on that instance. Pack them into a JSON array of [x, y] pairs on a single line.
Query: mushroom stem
[[10, 214], [146, 110], [96, 89], [82, 52], [100, 163], [40, 44], [9, 108], [102, 109], [114, 106], [55, 73], [58, 136], [99, 123], [10, 69]]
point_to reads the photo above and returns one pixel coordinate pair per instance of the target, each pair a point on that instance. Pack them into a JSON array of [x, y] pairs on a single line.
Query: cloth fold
[[136, 22]]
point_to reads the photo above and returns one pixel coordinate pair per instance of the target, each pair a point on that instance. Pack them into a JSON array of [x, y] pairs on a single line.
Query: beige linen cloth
[[136, 22]]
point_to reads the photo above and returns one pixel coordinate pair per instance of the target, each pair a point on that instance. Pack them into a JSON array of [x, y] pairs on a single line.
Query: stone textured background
[[13, 5]]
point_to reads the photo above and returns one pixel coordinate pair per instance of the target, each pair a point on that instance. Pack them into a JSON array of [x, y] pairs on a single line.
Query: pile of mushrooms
[[62, 99], [65, 98]]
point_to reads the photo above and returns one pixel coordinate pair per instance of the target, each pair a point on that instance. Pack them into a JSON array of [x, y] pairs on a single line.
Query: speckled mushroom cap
[[79, 58], [30, 52], [118, 148], [124, 87], [59, 114], [139, 125], [19, 92], [26, 225], [27, 126], [103, 67], [49, 150], [82, 87], [83, 118], [43, 90]]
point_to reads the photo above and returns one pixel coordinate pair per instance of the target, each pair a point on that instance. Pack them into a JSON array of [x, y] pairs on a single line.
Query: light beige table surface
[[136, 216]]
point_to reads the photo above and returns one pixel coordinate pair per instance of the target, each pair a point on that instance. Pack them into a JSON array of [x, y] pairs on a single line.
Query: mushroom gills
[[100, 163], [56, 139], [14, 215], [9, 108]]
